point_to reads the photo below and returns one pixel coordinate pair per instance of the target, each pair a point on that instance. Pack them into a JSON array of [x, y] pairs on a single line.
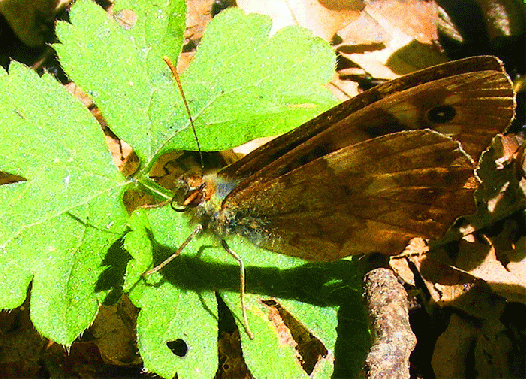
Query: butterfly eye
[[441, 114], [195, 197]]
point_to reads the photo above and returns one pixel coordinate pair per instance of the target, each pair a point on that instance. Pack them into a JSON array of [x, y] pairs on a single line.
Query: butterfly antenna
[[180, 86]]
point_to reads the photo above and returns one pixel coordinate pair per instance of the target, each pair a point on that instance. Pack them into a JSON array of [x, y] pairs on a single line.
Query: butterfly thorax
[[204, 201]]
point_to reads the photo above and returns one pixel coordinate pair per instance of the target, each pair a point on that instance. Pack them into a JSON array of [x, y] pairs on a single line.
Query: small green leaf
[[121, 68], [59, 223]]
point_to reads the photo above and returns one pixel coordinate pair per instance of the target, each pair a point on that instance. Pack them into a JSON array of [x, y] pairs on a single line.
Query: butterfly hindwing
[[369, 197]]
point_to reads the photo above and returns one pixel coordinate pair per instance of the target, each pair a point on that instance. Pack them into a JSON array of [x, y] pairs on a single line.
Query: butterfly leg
[[196, 231], [242, 285]]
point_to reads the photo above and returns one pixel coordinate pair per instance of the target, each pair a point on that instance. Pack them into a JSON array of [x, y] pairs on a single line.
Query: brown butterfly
[[393, 163], [369, 174]]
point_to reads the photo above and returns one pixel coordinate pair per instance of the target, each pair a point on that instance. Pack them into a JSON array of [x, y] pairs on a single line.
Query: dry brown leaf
[[323, 17], [494, 351], [452, 349], [465, 346], [481, 261], [452, 287], [113, 332], [21, 345], [503, 182], [415, 18], [400, 36]]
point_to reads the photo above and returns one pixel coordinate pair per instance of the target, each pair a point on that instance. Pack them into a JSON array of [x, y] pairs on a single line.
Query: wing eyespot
[[441, 114]]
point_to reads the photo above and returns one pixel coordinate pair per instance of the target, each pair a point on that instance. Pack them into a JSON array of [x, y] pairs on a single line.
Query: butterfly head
[[193, 191]]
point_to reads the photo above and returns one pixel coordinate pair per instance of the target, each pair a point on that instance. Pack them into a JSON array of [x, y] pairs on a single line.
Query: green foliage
[[65, 227], [57, 224]]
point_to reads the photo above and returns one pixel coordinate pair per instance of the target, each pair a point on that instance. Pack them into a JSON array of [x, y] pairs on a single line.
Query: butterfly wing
[[354, 180], [470, 100], [373, 196]]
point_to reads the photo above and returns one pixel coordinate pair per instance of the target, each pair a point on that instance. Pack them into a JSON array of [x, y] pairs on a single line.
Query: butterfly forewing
[[471, 108], [369, 197], [476, 90]]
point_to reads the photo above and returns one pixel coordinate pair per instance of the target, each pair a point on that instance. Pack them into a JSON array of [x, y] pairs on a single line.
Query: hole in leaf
[[230, 353], [178, 347]]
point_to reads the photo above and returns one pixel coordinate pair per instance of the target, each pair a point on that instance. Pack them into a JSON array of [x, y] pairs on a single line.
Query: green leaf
[[58, 224], [249, 84], [178, 302], [241, 80], [121, 68]]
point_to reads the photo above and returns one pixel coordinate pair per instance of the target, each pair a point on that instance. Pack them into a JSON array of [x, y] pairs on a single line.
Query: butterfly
[[393, 163]]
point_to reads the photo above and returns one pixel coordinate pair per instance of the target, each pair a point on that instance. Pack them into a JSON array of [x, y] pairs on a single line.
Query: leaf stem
[[151, 187]]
